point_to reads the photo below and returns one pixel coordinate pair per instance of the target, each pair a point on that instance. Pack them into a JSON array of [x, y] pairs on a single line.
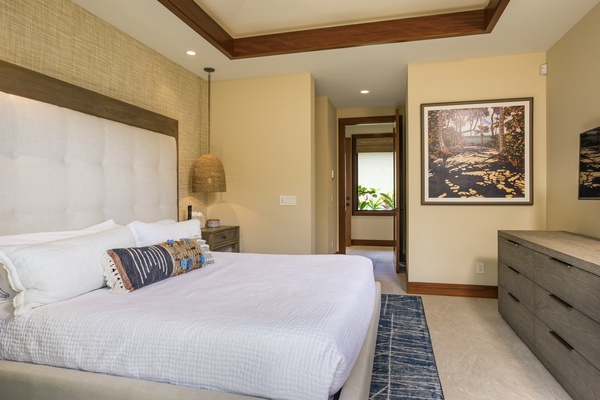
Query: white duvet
[[273, 326]]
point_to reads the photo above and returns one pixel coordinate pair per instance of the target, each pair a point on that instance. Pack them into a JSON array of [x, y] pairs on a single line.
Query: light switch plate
[[287, 200]]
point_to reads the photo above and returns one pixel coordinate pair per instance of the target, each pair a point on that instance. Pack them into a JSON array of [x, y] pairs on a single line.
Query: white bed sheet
[[274, 326]]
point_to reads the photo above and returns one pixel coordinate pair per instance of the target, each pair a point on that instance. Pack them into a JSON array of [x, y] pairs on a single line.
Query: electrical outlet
[[480, 268]]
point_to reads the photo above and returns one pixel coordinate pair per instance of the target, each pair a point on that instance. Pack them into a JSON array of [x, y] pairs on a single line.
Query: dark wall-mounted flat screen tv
[[589, 164]]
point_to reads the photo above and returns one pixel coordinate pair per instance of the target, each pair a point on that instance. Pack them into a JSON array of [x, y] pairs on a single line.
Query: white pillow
[[6, 292], [43, 237], [148, 234], [45, 273]]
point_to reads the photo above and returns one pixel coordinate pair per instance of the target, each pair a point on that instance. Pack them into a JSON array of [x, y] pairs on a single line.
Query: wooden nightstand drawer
[[222, 237]]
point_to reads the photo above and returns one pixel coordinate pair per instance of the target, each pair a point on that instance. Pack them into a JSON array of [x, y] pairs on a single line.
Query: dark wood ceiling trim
[[493, 12], [393, 31], [401, 30], [196, 18]]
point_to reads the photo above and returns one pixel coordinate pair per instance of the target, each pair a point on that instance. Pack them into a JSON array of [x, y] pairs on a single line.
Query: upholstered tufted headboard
[[62, 169]]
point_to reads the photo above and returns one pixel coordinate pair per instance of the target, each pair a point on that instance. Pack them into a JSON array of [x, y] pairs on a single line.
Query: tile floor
[[478, 355]]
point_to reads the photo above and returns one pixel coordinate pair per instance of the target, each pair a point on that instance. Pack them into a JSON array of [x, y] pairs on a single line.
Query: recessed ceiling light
[[364, 91], [190, 53]]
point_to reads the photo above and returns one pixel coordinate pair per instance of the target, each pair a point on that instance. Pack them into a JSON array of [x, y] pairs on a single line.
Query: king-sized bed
[[84, 176]]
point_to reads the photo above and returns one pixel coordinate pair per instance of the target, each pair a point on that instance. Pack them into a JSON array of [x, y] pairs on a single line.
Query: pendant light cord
[[208, 114]]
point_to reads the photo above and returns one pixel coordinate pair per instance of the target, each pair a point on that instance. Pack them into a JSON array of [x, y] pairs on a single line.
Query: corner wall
[[445, 241], [573, 108], [263, 129], [326, 204], [61, 39]]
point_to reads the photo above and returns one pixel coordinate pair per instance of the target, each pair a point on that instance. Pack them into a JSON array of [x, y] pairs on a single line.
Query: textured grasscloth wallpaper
[[60, 39]]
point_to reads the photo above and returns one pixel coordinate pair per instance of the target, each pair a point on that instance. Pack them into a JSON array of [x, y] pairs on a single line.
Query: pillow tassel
[[112, 276]]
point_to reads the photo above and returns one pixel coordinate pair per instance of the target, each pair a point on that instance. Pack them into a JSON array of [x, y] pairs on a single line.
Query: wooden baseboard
[[368, 242], [447, 289]]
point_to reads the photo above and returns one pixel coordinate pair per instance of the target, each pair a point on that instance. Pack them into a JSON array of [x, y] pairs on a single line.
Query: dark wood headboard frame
[[34, 85]]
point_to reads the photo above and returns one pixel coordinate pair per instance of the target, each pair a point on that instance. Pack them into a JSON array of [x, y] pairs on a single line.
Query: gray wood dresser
[[549, 293]]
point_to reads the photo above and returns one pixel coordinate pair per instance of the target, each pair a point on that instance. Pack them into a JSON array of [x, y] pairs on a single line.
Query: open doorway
[[371, 139]]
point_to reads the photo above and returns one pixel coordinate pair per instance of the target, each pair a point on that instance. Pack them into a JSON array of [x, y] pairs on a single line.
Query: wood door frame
[[342, 124], [348, 193], [400, 211]]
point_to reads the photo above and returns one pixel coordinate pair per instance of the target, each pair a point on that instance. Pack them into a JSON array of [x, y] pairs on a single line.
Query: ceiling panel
[[257, 17]]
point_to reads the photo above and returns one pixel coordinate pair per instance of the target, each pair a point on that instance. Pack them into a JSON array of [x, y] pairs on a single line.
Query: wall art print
[[477, 152], [589, 164]]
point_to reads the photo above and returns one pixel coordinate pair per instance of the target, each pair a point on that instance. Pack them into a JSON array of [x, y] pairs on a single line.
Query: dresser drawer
[[517, 256], [575, 328], [581, 378], [519, 317], [516, 284], [577, 287]]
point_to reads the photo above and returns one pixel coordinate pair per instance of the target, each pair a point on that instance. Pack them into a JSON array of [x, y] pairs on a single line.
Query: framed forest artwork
[[477, 152], [589, 164]]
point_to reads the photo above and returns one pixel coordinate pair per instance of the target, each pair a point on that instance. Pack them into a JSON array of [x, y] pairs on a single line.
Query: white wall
[[263, 131], [445, 241], [573, 107], [367, 227]]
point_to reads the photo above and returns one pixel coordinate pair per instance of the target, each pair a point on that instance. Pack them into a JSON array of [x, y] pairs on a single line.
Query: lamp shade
[[208, 175]]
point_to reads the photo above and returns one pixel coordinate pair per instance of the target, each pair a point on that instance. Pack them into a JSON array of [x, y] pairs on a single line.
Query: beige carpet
[[478, 355]]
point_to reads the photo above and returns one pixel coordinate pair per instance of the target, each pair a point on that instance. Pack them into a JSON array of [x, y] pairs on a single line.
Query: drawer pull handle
[[514, 298], [513, 243], [561, 340], [569, 266], [224, 237], [514, 270], [561, 301]]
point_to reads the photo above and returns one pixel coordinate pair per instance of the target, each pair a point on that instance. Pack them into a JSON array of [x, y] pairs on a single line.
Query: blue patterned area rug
[[404, 365]]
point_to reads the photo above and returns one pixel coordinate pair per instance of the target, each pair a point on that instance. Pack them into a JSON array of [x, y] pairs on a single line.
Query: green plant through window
[[371, 199], [373, 173]]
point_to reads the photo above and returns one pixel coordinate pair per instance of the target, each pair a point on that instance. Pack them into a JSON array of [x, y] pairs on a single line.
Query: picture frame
[[589, 165], [477, 152]]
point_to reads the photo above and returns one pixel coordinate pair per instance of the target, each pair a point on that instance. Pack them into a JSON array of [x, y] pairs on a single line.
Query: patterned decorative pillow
[[6, 292], [132, 268]]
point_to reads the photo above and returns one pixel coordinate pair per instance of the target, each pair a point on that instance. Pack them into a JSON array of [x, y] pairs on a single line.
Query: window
[[373, 174]]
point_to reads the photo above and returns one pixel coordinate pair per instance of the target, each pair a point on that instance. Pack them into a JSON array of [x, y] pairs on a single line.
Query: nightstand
[[222, 237]]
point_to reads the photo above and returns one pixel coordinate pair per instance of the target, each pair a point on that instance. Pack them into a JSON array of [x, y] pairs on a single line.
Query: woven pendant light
[[208, 174]]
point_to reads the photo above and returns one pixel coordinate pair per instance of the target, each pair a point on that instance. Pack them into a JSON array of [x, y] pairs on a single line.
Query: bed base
[[23, 381]]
